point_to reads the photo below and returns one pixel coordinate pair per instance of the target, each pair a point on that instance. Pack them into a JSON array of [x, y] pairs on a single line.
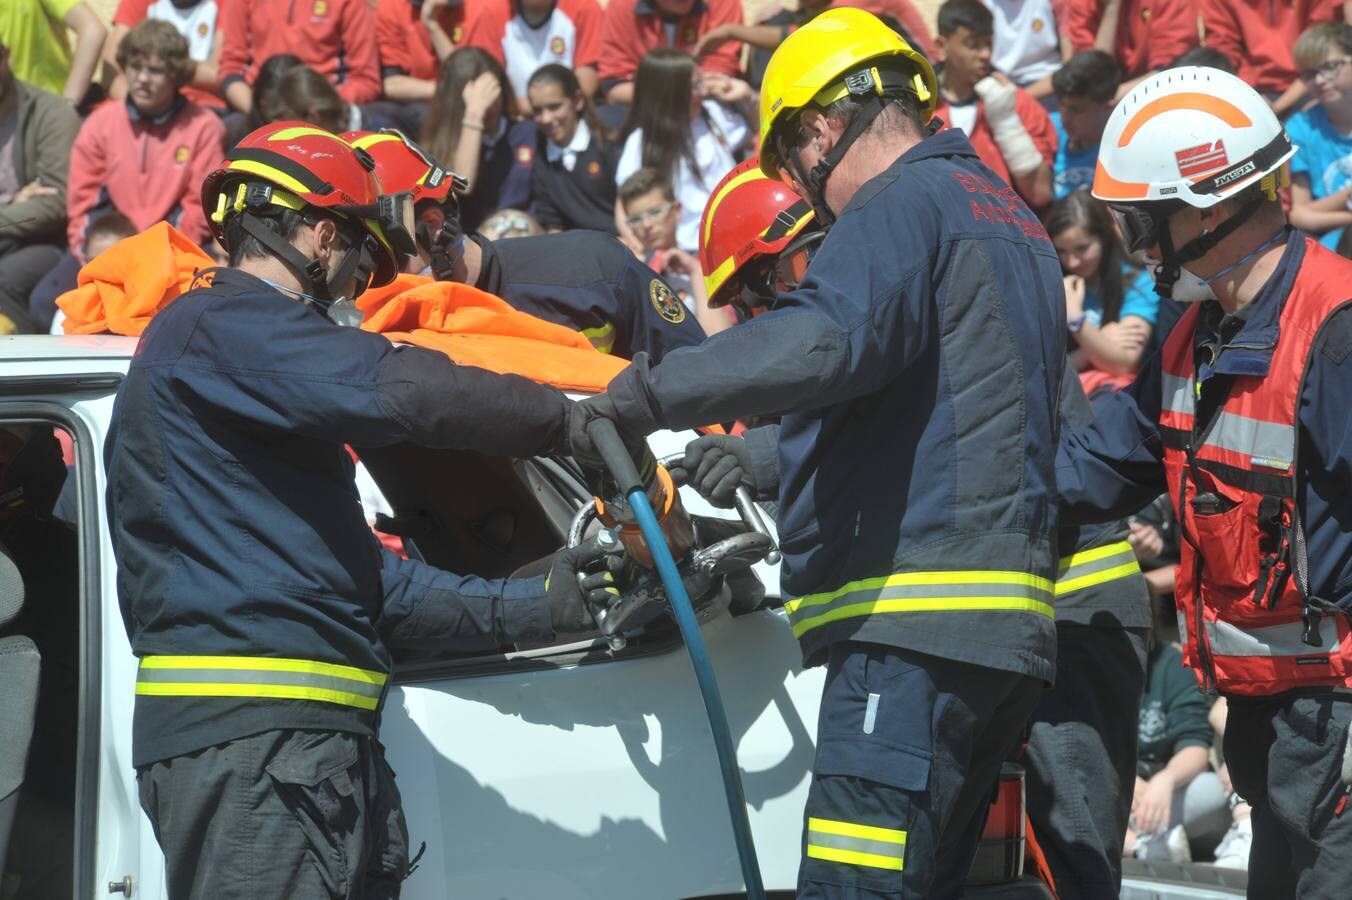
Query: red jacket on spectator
[[633, 27], [336, 38], [903, 11], [148, 169], [571, 38], [1257, 35], [405, 46], [1034, 118], [1150, 33]]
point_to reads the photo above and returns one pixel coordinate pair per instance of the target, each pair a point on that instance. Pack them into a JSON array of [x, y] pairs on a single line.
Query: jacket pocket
[[318, 779], [876, 719]]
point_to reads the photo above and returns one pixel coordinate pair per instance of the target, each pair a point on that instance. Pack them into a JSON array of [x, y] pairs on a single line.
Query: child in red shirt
[[336, 38], [633, 27], [147, 157], [194, 19], [1008, 128], [1145, 35], [525, 35], [1257, 37]]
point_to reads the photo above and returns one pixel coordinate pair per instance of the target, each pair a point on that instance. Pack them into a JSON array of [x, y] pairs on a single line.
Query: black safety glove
[[581, 579], [447, 246], [715, 465], [584, 450]]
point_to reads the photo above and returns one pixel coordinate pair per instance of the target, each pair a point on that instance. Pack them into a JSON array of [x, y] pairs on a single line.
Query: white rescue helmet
[[1193, 134]]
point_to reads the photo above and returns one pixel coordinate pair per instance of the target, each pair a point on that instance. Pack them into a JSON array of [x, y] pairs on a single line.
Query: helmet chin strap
[[314, 280], [815, 180], [1172, 261]]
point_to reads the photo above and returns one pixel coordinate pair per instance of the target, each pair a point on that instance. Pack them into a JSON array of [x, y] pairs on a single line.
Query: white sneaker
[[1233, 850]]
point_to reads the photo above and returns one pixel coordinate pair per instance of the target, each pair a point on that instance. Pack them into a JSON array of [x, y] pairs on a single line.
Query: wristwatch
[[1074, 325]]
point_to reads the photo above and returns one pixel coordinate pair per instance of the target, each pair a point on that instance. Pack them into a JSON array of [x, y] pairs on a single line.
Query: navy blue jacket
[[917, 370], [1115, 466], [590, 282], [235, 521]]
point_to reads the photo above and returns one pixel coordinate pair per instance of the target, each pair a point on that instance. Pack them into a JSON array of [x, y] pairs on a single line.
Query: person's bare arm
[[622, 93], [240, 96], [481, 94], [1117, 347], [1105, 38], [766, 37], [1318, 216], [206, 73], [117, 88], [442, 44], [90, 36], [587, 79], [1291, 99], [403, 88]]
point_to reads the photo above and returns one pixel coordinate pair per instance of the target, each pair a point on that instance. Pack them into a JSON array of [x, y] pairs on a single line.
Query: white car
[[569, 772]]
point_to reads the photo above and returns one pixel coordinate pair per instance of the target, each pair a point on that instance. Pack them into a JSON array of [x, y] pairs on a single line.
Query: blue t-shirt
[[1138, 298], [1324, 157], [1074, 169]]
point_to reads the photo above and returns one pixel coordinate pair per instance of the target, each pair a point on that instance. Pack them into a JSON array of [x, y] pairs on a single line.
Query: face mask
[[342, 311], [1189, 288]]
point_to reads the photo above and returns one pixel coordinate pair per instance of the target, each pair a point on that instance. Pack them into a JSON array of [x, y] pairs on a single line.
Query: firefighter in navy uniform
[[583, 279], [916, 371], [756, 239], [1243, 418], [256, 597]]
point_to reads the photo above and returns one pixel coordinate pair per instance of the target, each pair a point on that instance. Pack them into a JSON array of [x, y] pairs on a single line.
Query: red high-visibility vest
[[1241, 611]]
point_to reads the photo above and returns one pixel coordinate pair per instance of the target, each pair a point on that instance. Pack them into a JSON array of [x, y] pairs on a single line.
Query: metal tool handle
[[751, 514]]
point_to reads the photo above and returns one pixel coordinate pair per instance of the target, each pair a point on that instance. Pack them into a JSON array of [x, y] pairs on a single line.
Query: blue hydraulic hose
[[617, 459]]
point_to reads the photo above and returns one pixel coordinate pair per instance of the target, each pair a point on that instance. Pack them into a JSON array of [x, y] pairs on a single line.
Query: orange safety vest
[[1247, 626]]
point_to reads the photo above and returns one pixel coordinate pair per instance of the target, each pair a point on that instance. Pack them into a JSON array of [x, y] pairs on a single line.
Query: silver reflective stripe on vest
[[1227, 639], [260, 677], [1180, 394], [1268, 444]]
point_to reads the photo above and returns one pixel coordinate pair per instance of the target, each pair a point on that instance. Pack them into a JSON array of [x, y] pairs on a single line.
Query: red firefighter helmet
[[749, 215], [402, 165], [296, 166]]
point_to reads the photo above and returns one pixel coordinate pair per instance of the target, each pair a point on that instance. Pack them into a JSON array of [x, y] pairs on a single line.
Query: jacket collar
[[578, 145], [647, 8], [172, 110], [1249, 351], [949, 142]]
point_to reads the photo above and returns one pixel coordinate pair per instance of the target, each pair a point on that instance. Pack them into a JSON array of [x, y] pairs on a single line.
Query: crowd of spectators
[[621, 117]]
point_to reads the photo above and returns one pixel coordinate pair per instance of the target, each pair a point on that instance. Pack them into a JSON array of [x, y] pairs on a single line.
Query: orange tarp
[[122, 288]]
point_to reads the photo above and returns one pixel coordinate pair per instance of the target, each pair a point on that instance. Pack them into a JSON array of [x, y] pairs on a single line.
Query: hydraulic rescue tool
[[659, 538]]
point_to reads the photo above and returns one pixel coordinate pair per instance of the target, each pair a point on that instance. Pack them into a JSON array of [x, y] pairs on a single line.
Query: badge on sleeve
[[665, 302]]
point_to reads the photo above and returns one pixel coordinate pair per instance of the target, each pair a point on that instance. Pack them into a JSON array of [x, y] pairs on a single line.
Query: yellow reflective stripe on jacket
[[602, 337], [856, 845], [924, 592], [1095, 566], [262, 677]]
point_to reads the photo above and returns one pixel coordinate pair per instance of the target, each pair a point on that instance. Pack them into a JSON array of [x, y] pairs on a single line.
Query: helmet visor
[[395, 214]]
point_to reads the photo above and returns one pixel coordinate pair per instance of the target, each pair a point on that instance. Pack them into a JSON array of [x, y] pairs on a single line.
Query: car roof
[[74, 346]]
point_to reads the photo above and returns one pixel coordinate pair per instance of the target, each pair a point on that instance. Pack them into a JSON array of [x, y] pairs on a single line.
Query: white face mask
[[1189, 288], [345, 312]]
